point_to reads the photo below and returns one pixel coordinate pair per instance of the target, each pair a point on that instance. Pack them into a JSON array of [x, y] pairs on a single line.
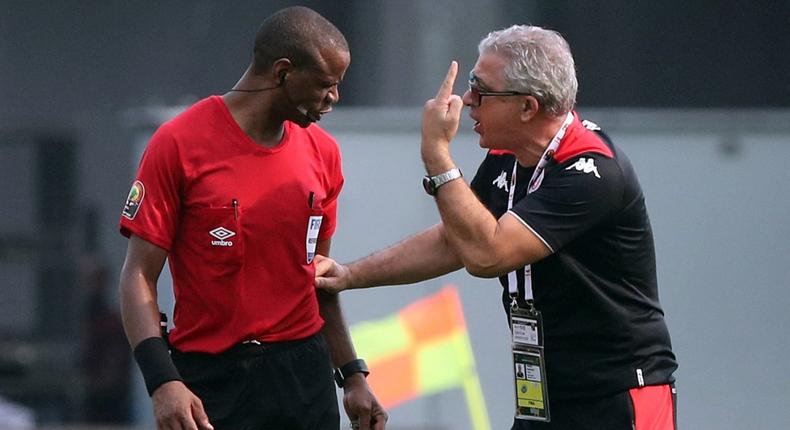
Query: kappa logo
[[222, 234], [586, 165], [501, 181], [589, 125]]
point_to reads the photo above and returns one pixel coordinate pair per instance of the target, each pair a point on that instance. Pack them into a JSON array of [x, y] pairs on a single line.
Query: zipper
[[235, 204]]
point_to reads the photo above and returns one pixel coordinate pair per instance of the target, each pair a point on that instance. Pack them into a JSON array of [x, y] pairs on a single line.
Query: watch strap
[[432, 183], [354, 366]]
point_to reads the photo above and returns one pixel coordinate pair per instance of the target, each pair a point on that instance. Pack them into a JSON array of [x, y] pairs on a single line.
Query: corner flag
[[422, 349]]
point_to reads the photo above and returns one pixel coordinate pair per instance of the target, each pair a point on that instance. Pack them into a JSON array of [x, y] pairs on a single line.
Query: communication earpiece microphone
[[311, 116], [300, 108], [280, 82]]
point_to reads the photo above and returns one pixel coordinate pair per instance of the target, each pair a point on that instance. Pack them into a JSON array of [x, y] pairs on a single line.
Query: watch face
[[427, 183]]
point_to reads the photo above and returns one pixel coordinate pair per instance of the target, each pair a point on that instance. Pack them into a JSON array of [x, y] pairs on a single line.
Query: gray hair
[[539, 62]]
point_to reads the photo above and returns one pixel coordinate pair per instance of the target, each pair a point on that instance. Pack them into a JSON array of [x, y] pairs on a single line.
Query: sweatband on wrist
[[153, 358]]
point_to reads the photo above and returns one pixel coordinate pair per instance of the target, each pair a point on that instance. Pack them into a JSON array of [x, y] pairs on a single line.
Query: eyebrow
[[324, 79]]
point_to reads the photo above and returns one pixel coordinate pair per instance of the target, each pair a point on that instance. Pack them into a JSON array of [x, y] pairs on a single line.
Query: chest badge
[[222, 234], [313, 227]]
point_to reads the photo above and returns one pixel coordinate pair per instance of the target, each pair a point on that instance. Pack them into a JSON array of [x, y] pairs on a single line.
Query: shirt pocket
[[215, 237]]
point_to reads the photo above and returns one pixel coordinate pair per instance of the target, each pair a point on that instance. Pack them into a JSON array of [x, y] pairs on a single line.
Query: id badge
[[529, 365], [313, 227]]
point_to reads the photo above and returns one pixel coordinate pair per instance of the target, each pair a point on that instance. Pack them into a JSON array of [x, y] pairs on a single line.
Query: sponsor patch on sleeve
[[134, 200]]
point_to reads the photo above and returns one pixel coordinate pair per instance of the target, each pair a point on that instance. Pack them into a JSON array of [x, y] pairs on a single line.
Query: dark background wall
[[58, 57], [699, 54]]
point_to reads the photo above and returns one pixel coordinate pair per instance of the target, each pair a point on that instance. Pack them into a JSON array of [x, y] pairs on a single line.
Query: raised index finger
[[446, 90]]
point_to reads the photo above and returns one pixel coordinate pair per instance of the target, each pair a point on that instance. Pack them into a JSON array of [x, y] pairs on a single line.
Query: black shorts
[[651, 408], [282, 385]]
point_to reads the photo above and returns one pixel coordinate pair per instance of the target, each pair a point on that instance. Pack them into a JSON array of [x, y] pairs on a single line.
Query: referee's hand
[[177, 408], [362, 406]]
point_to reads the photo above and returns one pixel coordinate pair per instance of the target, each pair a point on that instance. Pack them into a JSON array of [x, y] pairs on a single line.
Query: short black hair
[[297, 33]]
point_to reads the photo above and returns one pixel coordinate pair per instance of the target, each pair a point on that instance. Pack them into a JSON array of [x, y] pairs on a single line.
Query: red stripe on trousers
[[653, 407]]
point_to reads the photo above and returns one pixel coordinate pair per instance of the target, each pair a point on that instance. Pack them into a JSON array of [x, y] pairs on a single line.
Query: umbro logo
[[501, 181], [586, 165], [222, 234]]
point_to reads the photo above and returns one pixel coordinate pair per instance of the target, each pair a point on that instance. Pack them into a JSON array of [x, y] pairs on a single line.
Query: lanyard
[[534, 184]]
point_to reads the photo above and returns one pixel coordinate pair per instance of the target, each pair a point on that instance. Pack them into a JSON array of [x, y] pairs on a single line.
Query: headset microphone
[[300, 108], [311, 116]]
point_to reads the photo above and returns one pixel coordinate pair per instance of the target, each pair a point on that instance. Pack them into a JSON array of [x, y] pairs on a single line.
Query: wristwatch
[[350, 368], [432, 183]]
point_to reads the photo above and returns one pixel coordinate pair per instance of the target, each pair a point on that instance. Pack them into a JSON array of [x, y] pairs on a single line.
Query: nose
[[468, 99], [333, 95]]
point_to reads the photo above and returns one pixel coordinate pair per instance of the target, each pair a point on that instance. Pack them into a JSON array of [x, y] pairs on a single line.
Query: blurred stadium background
[[698, 94]]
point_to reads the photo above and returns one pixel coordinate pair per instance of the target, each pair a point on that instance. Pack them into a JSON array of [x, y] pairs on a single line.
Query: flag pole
[[475, 401]]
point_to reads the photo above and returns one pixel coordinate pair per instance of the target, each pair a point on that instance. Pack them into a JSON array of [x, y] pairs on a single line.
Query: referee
[[239, 193]]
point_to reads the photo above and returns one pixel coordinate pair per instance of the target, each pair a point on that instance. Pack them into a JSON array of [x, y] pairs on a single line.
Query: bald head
[[297, 33]]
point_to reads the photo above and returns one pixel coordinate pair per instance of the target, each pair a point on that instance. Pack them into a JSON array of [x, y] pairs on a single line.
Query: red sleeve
[[153, 206], [335, 180]]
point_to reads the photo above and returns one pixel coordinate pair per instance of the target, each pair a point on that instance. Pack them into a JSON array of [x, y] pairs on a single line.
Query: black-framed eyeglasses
[[478, 94]]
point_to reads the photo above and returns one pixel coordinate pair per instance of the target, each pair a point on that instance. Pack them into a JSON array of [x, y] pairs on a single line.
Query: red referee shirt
[[234, 217]]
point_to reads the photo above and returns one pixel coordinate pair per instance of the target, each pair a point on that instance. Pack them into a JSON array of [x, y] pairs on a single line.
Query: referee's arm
[[359, 401], [175, 407]]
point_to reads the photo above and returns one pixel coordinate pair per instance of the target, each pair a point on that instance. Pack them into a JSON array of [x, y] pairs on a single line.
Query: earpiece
[[282, 78]]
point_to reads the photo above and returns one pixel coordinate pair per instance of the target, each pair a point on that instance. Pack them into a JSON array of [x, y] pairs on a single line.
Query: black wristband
[[154, 360], [348, 369]]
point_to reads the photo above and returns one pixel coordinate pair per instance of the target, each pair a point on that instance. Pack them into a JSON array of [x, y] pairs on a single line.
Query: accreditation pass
[[529, 365], [531, 394]]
